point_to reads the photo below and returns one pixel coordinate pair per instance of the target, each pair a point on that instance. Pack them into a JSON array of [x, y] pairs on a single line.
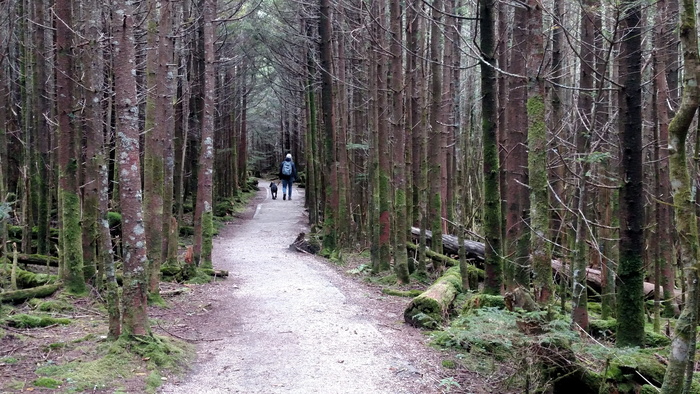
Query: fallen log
[[447, 260], [17, 296], [27, 279], [431, 308], [305, 245], [450, 245], [36, 259], [594, 279]]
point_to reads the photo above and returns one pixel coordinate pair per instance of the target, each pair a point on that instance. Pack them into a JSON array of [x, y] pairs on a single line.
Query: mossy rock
[[479, 301]]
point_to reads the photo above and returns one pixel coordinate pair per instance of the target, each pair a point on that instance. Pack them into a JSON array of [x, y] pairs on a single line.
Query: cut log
[[431, 308], [595, 282], [474, 249], [17, 296]]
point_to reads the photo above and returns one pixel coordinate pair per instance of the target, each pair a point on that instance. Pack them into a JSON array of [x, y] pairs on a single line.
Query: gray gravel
[[288, 322]]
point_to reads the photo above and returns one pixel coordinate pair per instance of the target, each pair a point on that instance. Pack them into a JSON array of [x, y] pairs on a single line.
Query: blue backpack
[[287, 168]]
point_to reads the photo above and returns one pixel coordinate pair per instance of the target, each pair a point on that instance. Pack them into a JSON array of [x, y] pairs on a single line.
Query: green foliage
[[360, 269], [484, 301], [114, 219], [449, 383], [9, 360], [449, 364]]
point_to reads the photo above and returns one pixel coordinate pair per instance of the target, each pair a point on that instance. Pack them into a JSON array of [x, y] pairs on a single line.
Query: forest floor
[[282, 322]]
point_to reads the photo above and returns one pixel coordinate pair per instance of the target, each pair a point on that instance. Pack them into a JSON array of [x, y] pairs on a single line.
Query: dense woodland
[[547, 131]]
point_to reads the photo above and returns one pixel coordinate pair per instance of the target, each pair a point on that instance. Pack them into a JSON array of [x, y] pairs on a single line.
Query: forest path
[[286, 322]]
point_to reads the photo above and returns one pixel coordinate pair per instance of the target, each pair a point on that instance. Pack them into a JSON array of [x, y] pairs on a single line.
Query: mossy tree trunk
[[540, 249], [686, 219], [93, 122], [135, 288], [311, 133], [630, 273], [68, 155], [43, 90], [492, 202], [397, 116], [384, 195], [167, 72], [330, 237], [5, 207], [204, 217], [436, 133], [663, 244], [584, 130]]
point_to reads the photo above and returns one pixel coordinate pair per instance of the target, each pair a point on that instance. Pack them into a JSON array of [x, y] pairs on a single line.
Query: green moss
[[402, 293], [48, 383], [484, 301], [153, 381], [23, 320], [9, 360], [449, 364], [50, 305]]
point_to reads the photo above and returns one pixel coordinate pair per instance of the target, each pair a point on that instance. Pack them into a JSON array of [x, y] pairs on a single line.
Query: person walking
[[288, 173]]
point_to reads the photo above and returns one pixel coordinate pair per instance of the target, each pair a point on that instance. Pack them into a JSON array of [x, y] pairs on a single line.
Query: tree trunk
[[330, 238], [204, 215], [492, 199], [436, 134], [397, 113], [134, 318], [630, 301], [68, 156], [153, 150], [686, 220], [517, 238], [540, 249]]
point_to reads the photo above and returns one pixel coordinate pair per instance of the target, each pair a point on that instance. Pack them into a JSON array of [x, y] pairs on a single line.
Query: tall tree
[[540, 249], [492, 202], [397, 122], [436, 146], [330, 238], [630, 279], [204, 214], [680, 356], [68, 156], [135, 288]]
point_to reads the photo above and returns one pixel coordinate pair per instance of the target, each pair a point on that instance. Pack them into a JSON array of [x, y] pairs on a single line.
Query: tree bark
[[630, 301], [204, 215], [134, 318], [68, 156], [686, 220], [492, 201]]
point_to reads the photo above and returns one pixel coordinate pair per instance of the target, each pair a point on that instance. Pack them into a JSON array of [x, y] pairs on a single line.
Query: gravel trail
[[287, 322]]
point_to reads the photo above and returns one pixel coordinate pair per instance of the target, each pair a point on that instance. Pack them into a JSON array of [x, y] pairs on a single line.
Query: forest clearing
[[520, 176]]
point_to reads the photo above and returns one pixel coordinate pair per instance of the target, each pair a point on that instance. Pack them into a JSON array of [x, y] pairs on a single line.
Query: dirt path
[[285, 322]]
